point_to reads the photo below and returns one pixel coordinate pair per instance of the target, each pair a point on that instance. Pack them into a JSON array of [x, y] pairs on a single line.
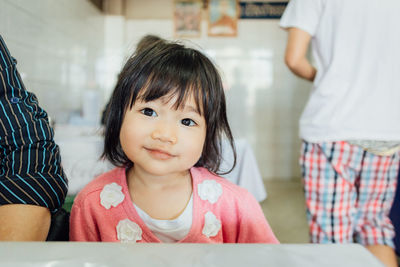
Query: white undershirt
[[169, 231]]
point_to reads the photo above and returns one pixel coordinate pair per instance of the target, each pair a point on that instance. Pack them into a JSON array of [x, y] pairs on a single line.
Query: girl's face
[[162, 140]]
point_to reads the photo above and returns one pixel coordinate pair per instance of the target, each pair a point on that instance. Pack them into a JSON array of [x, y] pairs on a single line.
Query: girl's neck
[[161, 197], [140, 178]]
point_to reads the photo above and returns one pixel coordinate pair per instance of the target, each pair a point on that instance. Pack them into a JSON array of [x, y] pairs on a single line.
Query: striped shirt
[[30, 167]]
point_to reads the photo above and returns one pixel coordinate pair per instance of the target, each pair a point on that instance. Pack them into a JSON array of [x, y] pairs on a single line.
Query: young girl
[[163, 129]]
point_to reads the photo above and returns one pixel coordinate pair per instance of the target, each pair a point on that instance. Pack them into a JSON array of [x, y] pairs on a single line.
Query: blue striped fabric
[[30, 167]]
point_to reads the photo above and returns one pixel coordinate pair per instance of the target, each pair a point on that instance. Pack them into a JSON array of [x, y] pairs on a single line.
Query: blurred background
[[70, 52]]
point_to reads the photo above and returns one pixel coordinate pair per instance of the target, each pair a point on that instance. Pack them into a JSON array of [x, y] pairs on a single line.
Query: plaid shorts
[[349, 193]]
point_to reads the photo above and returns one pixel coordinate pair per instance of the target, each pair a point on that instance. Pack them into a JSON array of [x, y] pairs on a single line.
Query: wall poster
[[187, 18], [222, 17]]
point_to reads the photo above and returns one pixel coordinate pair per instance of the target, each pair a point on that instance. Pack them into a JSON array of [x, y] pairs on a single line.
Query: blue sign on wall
[[261, 10]]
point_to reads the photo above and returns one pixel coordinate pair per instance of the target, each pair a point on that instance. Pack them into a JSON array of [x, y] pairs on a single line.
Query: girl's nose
[[165, 133]]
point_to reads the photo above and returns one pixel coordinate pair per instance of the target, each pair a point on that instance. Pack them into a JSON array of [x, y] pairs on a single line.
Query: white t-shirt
[[356, 48], [169, 231]]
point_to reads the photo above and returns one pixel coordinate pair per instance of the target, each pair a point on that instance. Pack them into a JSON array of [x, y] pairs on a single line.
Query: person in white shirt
[[351, 124]]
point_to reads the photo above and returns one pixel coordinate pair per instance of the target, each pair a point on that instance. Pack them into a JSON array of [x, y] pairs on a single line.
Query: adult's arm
[[296, 54], [32, 181]]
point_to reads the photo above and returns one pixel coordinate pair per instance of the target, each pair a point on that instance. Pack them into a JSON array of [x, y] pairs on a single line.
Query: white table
[[67, 254], [246, 172], [81, 147]]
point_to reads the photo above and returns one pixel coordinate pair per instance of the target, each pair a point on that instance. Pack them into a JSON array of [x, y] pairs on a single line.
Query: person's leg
[[328, 176], [377, 189], [19, 222]]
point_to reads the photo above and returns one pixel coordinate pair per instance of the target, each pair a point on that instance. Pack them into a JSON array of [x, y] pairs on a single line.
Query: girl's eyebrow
[[190, 108]]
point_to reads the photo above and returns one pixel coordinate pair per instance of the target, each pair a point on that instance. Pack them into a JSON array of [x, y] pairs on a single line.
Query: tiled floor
[[285, 210]]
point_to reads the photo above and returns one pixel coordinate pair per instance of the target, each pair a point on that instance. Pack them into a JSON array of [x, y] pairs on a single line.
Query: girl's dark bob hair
[[170, 69]]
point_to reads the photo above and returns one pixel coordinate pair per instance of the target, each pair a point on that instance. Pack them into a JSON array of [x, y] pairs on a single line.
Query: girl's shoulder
[[94, 187]]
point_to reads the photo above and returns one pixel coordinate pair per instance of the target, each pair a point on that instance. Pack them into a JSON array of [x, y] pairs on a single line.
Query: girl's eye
[[188, 122], [149, 112]]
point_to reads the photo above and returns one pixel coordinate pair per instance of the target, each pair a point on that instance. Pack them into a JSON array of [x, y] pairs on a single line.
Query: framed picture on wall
[[187, 18], [222, 17]]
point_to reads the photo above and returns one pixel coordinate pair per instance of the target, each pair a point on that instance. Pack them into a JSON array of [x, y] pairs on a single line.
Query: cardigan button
[[14, 100]]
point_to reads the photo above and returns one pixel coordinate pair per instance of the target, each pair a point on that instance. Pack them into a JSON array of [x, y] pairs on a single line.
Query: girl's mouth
[[159, 154]]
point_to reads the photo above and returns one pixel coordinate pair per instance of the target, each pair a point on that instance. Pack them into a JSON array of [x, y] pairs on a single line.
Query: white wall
[[59, 46], [70, 54]]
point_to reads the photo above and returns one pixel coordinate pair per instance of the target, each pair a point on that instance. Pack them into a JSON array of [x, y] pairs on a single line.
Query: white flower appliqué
[[210, 190], [128, 231], [211, 225], [111, 195]]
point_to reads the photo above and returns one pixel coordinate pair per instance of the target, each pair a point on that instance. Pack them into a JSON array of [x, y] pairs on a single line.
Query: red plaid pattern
[[349, 193]]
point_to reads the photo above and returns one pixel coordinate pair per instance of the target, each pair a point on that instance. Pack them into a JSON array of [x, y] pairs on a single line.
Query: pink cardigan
[[222, 212]]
